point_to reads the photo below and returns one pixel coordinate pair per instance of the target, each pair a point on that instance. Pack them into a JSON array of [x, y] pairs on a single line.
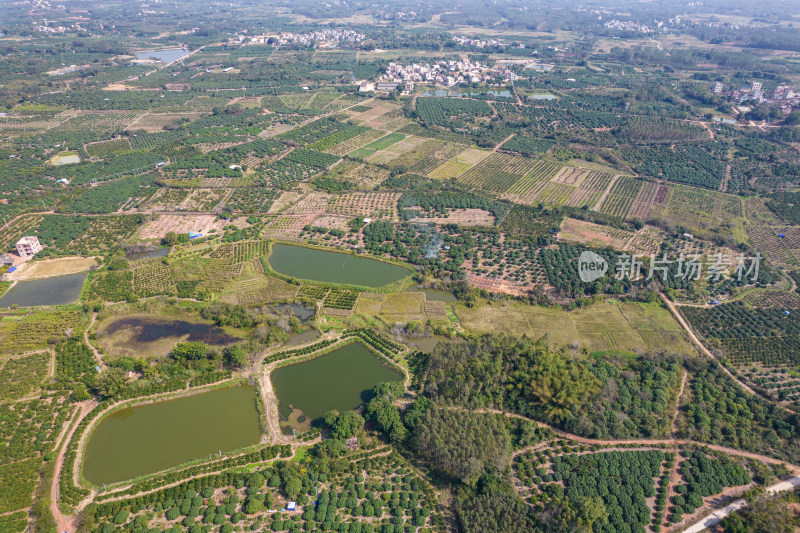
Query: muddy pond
[[142, 440], [145, 335], [334, 267], [341, 380]]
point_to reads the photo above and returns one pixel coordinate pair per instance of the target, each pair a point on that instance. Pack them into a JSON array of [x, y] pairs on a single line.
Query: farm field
[[626, 327]]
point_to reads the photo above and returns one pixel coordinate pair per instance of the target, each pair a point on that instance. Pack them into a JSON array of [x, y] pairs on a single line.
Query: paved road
[[717, 516]]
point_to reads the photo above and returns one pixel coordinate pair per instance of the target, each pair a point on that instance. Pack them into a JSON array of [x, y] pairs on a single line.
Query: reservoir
[[58, 290], [341, 380], [333, 267], [138, 256], [142, 440]]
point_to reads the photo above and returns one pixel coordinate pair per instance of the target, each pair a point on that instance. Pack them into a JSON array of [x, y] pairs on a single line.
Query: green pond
[[333, 267], [142, 440], [341, 380], [58, 290]]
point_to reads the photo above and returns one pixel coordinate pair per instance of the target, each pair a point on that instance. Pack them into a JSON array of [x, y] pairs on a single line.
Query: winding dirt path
[[685, 325], [64, 522], [684, 379], [97, 356]]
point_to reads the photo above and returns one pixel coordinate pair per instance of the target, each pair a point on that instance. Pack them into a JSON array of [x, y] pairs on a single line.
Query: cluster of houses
[[447, 73], [783, 95], [306, 39]]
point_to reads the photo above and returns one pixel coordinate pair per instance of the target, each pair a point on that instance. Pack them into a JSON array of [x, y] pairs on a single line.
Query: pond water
[[137, 256], [543, 96], [167, 56], [301, 311], [341, 380], [295, 339], [436, 295], [143, 329], [505, 93], [58, 290], [333, 267], [68, 159], [146, 439]]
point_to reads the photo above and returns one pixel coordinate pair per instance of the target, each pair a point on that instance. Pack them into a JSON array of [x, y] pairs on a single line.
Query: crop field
[[459, 164], [22, 332], [370, 204], [252, 287], [153, 278], [29, 428], [636, 327], [621, 196], [763, 229], [462, 217], [571, 176], [406, 153], [366, 176], [163, 224], [353, 143], [17, 228], [644, 201], [313, 202], [765, 298], [402, 153], [104, 232], [646, 241], [287, 227], [702, 212], [435, 159], [20, 376], [166, 199], [381, 143], [591, 189], [205, 199], [103, 148], [153, 122], [594, 235], [498, 172], [285, 171], [556, 193], [252, 199], [526, 189]]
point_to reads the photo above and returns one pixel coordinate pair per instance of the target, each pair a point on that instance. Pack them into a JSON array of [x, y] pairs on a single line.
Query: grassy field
[[631, 327], [54, 267]]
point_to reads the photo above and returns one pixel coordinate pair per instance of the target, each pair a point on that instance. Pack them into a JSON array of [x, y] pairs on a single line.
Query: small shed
[[6, 259]]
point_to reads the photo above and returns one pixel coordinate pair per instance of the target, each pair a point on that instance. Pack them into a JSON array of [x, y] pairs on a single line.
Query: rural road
[[717, 516]]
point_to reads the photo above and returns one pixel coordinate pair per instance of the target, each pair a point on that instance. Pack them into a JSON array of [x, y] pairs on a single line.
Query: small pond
[[138, 256], [341, 380], [167, 56], [333, 267], [298, 310], [66, 159], [543, 96], [296, 339], [58, 290], [142, 440]]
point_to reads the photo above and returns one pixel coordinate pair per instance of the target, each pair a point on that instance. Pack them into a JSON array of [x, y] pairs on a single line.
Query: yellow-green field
[[633, 327]]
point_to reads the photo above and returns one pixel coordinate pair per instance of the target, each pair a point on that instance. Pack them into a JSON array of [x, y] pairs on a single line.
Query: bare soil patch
[[53, 267], [156, 229]]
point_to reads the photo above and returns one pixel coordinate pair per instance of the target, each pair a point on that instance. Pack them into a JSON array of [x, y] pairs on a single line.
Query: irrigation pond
[[333, 267], [136, 441], [57, 290], [341, 380]]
